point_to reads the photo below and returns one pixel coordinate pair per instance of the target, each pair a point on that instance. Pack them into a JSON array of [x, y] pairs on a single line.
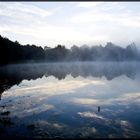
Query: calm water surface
[[74, 100]]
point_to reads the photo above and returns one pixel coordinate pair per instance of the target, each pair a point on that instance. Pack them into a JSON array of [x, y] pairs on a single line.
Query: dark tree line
[[14, 52], [110, 52]]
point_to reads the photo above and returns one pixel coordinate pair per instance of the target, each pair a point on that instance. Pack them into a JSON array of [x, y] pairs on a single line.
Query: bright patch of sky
[[68, 23]]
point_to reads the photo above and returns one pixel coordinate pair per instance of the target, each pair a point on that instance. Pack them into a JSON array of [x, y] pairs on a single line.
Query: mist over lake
[[69, 70], [70, 100]]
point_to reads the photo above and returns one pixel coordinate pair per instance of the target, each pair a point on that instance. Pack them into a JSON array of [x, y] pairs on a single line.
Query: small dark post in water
[[98, 108]]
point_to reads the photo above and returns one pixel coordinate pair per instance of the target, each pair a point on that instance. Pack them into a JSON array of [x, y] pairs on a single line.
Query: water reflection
[[75, 100], [14, 74]]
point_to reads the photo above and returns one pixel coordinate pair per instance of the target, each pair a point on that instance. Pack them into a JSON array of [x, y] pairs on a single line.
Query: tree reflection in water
[[86, 115], [14, 74]]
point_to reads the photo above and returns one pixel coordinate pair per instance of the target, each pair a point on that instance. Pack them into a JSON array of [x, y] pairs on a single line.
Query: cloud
[[85, 101], [128, 98], [37, 92], [120, 14], [51, 35], [91, 115], [85, 23], [96, 117], [87, 131], [124, 123], [130, 21], [91, 17], [31, 22], [44, 123], [94, 17], [23, 15], [119, 22], [22, 10], [125, 99], [88, 4], [19, 21], [46, 88]]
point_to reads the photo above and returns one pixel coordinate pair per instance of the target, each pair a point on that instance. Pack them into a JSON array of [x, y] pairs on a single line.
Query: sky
[[71, 23]]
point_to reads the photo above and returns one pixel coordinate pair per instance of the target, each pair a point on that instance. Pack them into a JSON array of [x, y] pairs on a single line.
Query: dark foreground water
[[74, 100]]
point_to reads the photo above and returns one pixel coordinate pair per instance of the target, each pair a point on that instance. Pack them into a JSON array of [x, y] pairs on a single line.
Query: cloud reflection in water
[[67, 107]]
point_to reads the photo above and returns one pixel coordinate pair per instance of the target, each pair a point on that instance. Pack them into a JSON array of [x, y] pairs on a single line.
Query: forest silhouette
[[13, 52]]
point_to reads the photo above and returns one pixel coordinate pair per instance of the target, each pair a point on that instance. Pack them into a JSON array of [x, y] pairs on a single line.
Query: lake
[[70, 100]]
